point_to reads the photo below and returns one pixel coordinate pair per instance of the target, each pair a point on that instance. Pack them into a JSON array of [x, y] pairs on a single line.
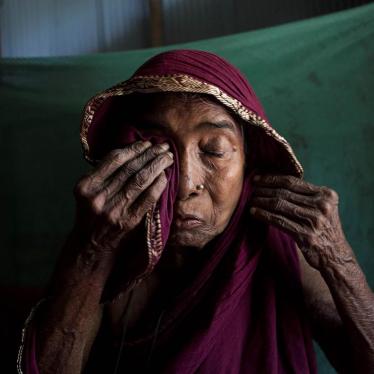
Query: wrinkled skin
[[307, 212], [210, 148], [113, 199]]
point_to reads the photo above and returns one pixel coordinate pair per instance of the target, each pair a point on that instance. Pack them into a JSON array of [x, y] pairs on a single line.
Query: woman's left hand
[[307, 212]]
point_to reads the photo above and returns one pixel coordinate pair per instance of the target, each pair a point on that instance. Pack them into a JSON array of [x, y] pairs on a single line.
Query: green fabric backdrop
[[314, 77]]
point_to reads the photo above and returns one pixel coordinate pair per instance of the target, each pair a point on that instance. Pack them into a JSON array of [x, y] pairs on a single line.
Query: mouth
[[187, 221]]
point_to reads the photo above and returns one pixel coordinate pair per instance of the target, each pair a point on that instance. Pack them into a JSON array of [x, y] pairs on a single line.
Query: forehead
[[171, 109], [174, 101]]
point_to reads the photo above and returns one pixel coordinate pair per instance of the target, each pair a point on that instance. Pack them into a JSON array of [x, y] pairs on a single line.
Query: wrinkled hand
[[307, 212], [113, 198]]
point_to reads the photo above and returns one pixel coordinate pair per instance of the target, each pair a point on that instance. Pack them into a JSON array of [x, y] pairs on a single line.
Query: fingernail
[[170, 154], [164, 146], [147, 143], [256, 178]]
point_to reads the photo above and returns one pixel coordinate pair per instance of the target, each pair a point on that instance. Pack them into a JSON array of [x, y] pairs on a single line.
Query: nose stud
[[200, 187]]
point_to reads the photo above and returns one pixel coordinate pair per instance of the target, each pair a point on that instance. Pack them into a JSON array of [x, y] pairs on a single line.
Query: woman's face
[[210, 149]]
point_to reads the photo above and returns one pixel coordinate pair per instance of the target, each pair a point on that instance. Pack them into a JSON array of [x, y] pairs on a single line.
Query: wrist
[[93, 261], [81, 272], [343, 272], [87, 256]]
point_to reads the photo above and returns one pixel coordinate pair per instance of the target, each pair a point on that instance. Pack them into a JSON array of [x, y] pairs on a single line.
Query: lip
[[187, 221]]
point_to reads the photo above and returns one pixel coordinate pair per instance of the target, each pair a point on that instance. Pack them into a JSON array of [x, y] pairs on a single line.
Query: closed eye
[[213, 153]]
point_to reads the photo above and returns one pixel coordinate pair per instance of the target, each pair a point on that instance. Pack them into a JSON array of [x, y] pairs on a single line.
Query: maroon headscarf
[[243, 310]]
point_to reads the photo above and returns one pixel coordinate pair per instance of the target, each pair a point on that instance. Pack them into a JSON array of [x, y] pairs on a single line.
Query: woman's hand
[[114, 197], [308, 212], [111, 201]]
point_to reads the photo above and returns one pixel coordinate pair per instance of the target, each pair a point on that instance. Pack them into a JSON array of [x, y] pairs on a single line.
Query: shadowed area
[[314, 78]]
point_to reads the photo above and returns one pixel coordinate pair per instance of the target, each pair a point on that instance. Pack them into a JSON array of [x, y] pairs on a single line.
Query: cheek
[[225, 186]]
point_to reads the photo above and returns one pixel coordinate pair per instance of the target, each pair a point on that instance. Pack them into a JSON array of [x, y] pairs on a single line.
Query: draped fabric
[[237, 296], [300, 71], [243, 309]]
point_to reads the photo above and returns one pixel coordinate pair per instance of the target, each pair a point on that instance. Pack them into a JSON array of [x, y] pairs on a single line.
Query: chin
[[188, 238]]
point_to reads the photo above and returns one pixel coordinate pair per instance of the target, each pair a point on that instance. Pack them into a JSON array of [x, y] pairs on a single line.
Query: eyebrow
[[217, 125], [223, 124]]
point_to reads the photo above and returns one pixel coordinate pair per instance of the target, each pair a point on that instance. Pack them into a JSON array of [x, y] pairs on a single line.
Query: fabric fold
[[243, 309], [150, 237]]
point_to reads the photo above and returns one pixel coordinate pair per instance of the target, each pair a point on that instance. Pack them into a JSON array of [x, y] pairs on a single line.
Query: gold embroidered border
[[179, 83]]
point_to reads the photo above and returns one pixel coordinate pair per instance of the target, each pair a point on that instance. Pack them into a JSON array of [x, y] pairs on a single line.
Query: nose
[[190, 176]]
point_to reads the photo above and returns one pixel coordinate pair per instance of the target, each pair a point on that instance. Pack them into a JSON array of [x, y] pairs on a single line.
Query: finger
[[288, 182], [283, 223], [142, 180], [148, 199], [115, 159], [282, 193], [287, 209], [132, 167]]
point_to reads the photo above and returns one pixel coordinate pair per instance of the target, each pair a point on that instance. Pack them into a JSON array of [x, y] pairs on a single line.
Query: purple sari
[[243, 311]]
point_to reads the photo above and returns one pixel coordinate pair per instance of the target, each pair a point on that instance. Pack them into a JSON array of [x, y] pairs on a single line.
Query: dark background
[[315, 79]]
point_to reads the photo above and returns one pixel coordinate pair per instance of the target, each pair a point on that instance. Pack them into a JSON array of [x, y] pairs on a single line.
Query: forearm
[[108, 209], [310, 214], [67, 324], [354, 301]]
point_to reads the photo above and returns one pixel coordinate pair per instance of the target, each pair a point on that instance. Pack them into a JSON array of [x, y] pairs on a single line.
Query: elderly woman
[[197, 245]]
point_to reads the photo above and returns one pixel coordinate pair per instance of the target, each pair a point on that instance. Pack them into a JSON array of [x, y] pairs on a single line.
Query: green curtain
[[314, 77]]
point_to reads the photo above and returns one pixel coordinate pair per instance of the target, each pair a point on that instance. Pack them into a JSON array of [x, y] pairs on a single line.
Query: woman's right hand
[[113, 198], [111, 201]]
